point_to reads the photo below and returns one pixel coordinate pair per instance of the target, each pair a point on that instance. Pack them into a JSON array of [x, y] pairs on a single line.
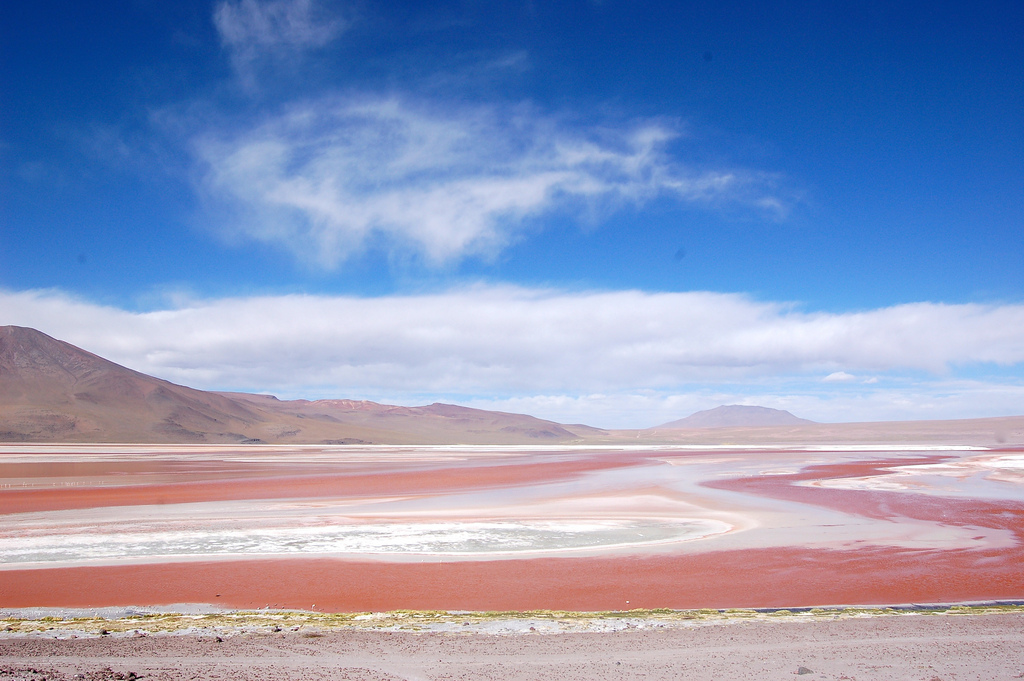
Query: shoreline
[[961, 642], [200, 619]]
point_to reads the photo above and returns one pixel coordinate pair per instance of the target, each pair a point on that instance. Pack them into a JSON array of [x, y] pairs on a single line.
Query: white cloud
[[503, 340], [839, 377], [329, 177], [251, 29]]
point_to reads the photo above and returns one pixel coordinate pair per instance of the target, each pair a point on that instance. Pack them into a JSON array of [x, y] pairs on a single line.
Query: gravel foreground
[[953, 645]]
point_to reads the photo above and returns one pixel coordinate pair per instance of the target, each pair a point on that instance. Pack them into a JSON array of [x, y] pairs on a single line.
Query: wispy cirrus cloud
[[328, 177], [253, 29]]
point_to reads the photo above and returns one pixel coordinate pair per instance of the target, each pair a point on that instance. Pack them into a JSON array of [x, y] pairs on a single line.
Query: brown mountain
[[748, 425], [737, 415], [431, 423], [52, 391]]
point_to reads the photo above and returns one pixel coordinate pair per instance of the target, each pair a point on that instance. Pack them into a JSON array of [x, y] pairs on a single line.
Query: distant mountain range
[[737, 415], [52, 391]]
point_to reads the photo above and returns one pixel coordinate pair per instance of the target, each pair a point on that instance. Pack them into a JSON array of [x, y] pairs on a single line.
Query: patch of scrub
[[71, 623]]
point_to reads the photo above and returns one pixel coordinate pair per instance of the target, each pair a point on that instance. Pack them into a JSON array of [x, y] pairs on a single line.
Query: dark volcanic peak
[[737, 415]]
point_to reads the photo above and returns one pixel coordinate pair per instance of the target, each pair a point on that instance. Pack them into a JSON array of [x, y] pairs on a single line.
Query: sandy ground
[[925, 647]]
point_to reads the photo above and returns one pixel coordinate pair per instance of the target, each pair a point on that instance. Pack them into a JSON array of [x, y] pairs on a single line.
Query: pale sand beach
[[822, 645]]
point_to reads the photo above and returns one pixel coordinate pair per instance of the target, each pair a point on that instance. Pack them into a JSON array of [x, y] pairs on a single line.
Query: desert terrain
[[864, 647], [52, 391], [342, 539], [449, 562]]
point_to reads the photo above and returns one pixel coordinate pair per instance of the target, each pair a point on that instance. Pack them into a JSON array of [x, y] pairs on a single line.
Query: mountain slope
[[737, 415], [431, 423], [52, 391]]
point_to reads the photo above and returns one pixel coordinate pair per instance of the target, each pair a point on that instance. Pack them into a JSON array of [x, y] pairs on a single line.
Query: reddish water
[[791, 545]]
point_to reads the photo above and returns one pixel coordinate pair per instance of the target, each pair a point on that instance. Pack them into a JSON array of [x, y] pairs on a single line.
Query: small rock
[[803, 670]]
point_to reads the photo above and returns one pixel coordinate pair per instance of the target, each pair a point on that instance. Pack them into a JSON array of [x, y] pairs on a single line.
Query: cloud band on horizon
[[510, 340]]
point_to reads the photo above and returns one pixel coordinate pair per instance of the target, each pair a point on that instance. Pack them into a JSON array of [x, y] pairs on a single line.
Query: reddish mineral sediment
[[345, 529]]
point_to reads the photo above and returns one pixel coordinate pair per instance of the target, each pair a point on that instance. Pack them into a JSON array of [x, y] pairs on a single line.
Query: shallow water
[[97, 503], [358, 528]]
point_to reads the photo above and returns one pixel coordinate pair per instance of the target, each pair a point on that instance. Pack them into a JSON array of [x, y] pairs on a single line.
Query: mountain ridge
[[736, 416], [51, 390], [54, 392]]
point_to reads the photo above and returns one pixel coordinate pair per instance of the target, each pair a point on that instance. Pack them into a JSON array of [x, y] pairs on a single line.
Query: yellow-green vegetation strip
[[272, 621]]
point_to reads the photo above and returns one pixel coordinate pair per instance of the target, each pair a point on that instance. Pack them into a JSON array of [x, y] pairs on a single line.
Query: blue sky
[[607, 212]]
